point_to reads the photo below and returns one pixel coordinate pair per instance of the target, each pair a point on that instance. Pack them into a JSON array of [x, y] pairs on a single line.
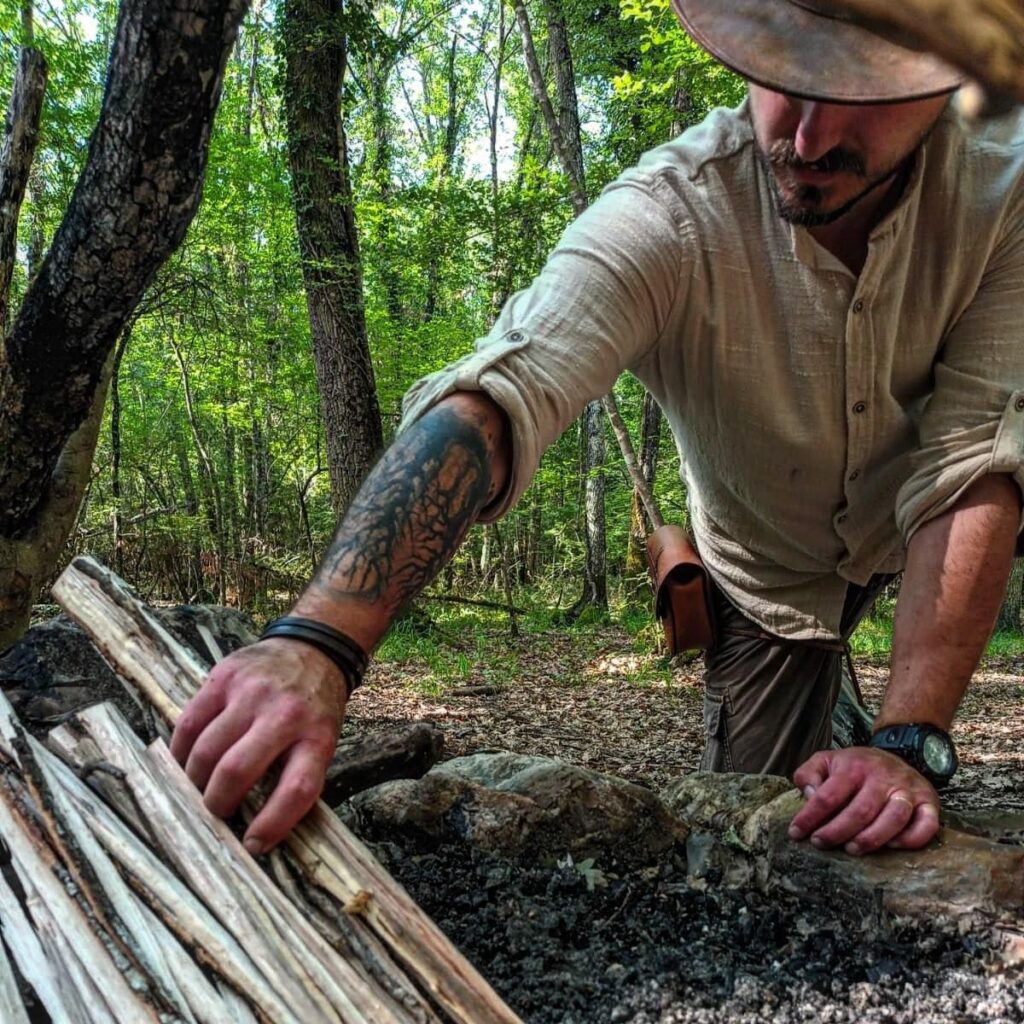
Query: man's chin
[[810, 216], [810, 207]]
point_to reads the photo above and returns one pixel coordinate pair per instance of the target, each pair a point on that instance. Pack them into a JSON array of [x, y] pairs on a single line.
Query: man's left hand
[[863, 799]]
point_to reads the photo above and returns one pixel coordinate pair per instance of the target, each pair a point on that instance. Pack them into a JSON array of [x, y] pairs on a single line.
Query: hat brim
[[792, 49]]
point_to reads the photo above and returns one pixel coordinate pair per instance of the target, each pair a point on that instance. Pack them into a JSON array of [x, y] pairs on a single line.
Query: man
[[824, 290]]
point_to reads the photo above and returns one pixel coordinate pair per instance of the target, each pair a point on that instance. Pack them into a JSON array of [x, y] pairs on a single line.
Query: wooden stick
[[12, 1010], [109, 907], [86, 977], [193, 994], [131, 638], [181, 911], [319, 984], [186, 986], [144, 653]]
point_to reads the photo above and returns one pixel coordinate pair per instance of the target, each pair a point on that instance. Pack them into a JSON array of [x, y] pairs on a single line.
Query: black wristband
[[341, 649]]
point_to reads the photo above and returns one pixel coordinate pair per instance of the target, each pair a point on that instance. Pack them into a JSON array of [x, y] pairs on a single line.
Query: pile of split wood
[[122, 899]]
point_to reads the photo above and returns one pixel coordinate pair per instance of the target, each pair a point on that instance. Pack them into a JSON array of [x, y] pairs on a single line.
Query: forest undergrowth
[[601, 693]]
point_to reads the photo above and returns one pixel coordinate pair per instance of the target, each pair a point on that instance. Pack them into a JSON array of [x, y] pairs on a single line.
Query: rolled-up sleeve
[[599, 305], [973, 423]]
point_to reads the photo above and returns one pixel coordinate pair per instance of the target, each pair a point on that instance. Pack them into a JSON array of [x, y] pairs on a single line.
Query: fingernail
[[253, 846], [809, 791], [796, 833], [817, 843], [853, 849]]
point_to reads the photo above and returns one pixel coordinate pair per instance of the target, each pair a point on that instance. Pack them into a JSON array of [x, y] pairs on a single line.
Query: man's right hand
[[278, 701], [281, 700]]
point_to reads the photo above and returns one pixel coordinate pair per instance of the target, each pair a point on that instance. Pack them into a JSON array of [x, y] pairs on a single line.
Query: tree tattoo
[[412, 512]]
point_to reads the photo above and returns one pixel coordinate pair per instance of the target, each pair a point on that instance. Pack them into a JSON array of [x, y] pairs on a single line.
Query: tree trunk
[[1010, 614], [26, 563], [564, 132], [209, 485], [449, 148], [315, 61], [134, 200], [378, 72], [19, 146], [570, 164], [115, 449], [595, 570], [191, 583], [493, 117], [639, 522]]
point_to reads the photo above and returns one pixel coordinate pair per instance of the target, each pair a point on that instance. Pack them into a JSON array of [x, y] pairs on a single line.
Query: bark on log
[[983, 37], [141, 651], [133, 202], [366, 761]]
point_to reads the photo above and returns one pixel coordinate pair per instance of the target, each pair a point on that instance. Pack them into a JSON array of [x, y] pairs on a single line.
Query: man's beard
[[803, 206]]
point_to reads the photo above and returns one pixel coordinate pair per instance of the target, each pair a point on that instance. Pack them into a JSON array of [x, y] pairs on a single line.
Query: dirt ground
[[646, 948], [590, 700]]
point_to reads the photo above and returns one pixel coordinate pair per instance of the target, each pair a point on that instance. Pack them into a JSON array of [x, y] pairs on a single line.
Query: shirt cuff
[[950, 469], [483, 370]]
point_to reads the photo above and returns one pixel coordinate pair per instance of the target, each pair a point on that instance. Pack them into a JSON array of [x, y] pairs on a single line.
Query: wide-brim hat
[[810, 48]]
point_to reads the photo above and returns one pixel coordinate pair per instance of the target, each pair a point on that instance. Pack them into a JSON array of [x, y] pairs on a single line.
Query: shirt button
[[1019, 405], [853, 476], [858, 306], [516, 336], [860, 407]]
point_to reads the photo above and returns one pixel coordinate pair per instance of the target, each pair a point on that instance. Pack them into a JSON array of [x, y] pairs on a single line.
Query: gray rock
[[54, 670], [532, 808], [230, 627], [739, 835], [720, 801]]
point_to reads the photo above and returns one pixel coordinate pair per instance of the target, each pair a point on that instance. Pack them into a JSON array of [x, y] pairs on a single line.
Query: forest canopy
[[211, 479], [220, 464]]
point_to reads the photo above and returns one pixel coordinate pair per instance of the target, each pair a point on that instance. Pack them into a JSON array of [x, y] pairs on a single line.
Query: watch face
[[937, 754]]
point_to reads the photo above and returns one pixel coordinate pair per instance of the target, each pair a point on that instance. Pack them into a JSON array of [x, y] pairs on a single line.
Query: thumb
[[813, 772]]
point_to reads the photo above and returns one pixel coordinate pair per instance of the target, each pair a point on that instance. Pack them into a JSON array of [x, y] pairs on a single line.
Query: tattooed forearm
[[412, 512]]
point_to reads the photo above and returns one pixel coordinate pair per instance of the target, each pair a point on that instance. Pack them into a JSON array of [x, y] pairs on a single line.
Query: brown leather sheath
[[682, 590]]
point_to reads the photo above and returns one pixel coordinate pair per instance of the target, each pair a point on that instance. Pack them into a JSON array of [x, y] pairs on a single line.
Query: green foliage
[[674, 80], [873, 639], [230, 500]]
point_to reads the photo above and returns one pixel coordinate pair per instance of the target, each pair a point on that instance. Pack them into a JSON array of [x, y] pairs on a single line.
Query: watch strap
[[906, 741], [345, 652]]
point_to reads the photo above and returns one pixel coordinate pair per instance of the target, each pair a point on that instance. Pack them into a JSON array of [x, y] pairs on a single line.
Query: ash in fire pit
[[587, 900], [645, 947]]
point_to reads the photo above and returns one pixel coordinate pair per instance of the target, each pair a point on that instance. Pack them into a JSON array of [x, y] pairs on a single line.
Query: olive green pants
[[768, 701]]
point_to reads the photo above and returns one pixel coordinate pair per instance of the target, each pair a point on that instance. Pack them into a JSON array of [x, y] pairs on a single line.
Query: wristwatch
[[925, 748]]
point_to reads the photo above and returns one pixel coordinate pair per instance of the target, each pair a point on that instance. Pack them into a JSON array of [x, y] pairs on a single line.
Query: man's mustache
[[783, 154]]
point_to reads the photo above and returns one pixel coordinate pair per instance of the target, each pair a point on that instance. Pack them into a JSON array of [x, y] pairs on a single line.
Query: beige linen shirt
[[821, 417]]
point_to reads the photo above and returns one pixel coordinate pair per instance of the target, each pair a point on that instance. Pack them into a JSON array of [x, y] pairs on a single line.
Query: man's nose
[[820, 130]]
